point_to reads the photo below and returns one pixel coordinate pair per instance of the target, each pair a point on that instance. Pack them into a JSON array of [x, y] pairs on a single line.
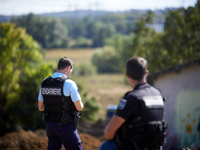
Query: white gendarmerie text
[[153, 101], [51, 91]]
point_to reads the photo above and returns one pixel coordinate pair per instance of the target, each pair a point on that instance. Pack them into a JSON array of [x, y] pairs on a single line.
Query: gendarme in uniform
[[59, 98], [139, 107], [138, 122]]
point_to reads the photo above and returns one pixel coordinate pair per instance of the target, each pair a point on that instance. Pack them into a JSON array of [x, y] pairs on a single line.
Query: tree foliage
[[120, 44], [18, 50], [49, 32], [147, 43], [22, 72], [106, 60], [179, 43], [20, 76], [182, 34], [84, 69], [143, 41], [100, 32], [61, 32], [91, 108]]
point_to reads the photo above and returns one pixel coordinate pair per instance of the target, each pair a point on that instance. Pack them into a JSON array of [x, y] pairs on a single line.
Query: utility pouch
[[155, 133], [64, 119], [76, 115], [45, 117]]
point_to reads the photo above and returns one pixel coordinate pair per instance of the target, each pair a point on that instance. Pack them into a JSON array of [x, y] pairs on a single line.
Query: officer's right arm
[[40, 102], [79, 105]]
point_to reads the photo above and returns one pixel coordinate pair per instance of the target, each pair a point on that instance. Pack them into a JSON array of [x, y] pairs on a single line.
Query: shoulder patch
[[122, 104]]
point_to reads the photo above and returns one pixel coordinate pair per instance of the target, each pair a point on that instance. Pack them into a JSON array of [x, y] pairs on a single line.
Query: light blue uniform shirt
[[69, 89]]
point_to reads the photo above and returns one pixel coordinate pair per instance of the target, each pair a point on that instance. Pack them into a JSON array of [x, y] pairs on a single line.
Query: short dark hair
[[65, 62], [136, 68]]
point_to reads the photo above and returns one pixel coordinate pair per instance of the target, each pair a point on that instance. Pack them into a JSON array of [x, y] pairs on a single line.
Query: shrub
[[91, 105], [106, 60], [91, 108], [85, 69]]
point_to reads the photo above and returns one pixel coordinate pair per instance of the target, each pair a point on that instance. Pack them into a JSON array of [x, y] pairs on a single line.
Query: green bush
[[85, 69], [91, 108], [82, 42], [106, 60], [91, 105]]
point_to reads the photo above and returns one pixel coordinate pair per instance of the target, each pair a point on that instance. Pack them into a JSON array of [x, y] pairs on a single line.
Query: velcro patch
[[153, 101], [122, 104], [51, 91]]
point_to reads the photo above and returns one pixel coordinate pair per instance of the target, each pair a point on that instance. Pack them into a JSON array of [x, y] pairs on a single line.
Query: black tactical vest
[[151, 103], [148, 129], [57, 106]]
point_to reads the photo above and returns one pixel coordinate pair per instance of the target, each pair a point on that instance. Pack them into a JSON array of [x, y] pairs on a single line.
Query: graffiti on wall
[[188, 118]]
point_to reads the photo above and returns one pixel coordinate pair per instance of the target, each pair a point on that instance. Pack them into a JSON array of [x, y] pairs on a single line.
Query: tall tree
[[49, 32], [21, 75], [182, 34], [18, 50], [180, 41], [147, 43], [100, 32]]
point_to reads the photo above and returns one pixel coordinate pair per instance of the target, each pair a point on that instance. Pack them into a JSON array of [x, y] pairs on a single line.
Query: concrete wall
[[182, 107]]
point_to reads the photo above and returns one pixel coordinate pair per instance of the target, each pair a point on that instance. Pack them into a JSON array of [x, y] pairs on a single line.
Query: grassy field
[[106, 88], [77, 55]]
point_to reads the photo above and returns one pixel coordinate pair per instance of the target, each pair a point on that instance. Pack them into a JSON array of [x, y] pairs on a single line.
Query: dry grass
[[106, 88]]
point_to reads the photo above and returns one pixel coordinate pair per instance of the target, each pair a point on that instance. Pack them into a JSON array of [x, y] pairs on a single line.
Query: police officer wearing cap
[[138, 122], [61, 102]]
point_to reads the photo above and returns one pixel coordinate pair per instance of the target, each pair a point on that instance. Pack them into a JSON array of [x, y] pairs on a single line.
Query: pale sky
[[18, 7]]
